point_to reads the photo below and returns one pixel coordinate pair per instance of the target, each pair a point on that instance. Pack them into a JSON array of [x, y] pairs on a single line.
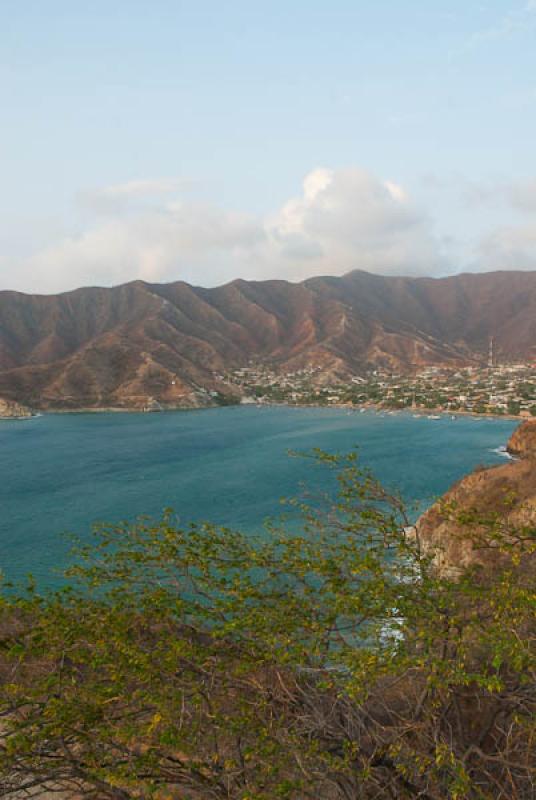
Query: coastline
[[374, 407], [378, 409]]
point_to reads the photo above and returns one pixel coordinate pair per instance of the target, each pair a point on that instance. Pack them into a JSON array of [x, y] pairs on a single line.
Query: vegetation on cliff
[[332, 662], [486, 512]]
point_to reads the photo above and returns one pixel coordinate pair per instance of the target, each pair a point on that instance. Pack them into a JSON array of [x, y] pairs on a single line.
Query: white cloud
[[349, 218], [510, 247], [119, 197], [520, 19], [341, 220], [523, 195], [162, 245], [141, 188], [516, 195], [509, 242]]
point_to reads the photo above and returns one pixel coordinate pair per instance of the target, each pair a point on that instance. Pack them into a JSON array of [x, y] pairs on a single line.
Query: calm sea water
[[60, 473]]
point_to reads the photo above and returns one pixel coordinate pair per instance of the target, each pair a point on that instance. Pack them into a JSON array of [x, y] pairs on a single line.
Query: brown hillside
[[121, 346], [499, 501]]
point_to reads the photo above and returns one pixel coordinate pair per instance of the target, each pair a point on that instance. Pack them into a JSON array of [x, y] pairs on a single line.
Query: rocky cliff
[[485, 510], [9, 409], [522, 443]]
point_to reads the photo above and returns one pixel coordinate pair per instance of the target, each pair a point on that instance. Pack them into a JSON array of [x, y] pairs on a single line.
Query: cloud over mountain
[[509, 245], [341, 219], [349, 218]]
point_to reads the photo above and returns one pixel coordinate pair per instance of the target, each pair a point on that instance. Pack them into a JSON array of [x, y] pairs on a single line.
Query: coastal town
[[499, 390]]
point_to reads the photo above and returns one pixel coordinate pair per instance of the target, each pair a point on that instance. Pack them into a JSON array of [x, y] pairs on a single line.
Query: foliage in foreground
[[330, 663]]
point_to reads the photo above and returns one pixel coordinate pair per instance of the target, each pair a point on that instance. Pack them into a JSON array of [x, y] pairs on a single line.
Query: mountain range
[[137, 343]]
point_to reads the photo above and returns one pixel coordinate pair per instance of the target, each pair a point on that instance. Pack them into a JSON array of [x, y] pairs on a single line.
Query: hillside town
[[506, 389]]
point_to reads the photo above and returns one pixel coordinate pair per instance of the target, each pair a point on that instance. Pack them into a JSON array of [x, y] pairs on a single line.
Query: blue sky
[[168, 140]]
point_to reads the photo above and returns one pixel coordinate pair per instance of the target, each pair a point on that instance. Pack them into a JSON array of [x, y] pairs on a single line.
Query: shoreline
[[378, 409]]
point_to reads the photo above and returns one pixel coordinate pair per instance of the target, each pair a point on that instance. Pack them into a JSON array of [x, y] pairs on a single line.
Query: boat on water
[[434, 416]]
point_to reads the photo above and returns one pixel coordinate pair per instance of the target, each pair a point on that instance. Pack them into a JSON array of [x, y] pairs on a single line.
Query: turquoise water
[[61, 472]]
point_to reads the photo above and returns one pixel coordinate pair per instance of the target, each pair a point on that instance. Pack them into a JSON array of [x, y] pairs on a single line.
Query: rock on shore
[[10, 409], [523, 440], [495, 501]]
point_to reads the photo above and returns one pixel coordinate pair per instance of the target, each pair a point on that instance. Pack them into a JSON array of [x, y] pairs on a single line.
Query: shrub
[[327, 661]]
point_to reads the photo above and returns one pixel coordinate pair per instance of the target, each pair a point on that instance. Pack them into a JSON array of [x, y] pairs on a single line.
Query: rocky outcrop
[[484, 511], [9, 409], [522, 443]]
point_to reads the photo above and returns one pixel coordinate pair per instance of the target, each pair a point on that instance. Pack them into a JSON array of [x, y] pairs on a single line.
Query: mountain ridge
[[137, 342]]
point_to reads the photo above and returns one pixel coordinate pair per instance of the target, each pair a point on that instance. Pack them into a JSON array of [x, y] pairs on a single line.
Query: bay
[[62, 472]]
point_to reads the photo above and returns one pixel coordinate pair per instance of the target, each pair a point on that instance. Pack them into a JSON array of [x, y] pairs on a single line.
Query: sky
[[217, 139]]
